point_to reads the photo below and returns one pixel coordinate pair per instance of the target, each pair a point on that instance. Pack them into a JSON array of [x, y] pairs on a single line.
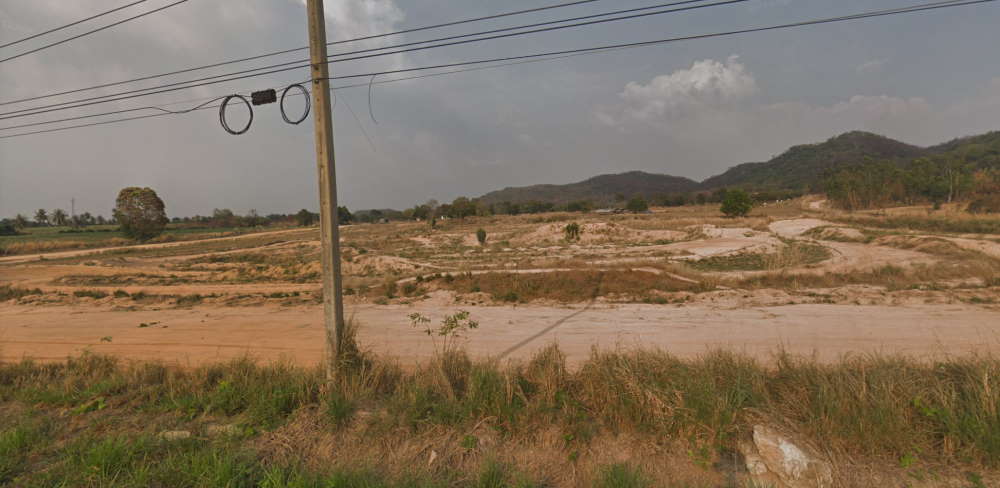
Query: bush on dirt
[[736, 203]]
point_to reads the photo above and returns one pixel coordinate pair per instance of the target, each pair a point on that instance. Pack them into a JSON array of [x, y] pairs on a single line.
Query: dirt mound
[[795, 227], [842, 234]]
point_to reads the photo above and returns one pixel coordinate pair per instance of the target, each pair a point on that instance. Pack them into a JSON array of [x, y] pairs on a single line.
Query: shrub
[[737, 203], [140, 212], [637, 204], [985, 204], [7, 228], [95, 294], [481, 237], [572, 231]]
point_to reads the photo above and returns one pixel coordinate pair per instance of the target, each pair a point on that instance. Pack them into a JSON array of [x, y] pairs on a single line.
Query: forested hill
[[803, 166], [599, 189], [800, 168]]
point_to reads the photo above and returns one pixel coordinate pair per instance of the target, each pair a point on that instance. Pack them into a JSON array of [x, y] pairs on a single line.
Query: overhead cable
[[66, 26], [64, 41], [304, 63], [298, 49], [583, 51]]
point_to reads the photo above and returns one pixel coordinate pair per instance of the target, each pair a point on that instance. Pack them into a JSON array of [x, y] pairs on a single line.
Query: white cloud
[[707, 84], [357, 18], [871, 66]]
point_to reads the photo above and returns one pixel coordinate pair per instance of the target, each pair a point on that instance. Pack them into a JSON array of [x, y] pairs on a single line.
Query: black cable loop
[[305, 95], [222, 115]]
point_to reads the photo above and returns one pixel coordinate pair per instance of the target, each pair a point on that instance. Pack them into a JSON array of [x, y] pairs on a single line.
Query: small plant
[[452, 328], [391, 288], [572, 232], [622, 476], [481, 237]]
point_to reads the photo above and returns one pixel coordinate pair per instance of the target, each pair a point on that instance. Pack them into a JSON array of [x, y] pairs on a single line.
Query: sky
[[693, 108]]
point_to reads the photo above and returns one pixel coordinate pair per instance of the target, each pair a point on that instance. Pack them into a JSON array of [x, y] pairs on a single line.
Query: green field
[[50, 239]]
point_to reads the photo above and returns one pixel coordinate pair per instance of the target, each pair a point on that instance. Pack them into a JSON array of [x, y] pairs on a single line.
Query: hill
[[802, 166], [599, 189]]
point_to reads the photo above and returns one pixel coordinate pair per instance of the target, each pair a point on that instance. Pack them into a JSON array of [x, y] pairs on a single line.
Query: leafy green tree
[[462, 207], [41, 217], [59, 217], [344, 216], [140, 213], [304, 218], [736, 203], [637, 204]]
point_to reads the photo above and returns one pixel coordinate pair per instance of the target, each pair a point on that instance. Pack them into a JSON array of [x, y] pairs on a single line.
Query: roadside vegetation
[[459, 422]]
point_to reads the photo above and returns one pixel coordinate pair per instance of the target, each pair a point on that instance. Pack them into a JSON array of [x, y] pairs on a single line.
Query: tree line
[[936, 180]]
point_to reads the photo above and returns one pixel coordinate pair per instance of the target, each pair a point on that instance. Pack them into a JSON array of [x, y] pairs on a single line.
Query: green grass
[[622, 476], [51, 239]]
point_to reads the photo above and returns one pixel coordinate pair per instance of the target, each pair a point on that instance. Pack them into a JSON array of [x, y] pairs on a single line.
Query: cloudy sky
[[690, 109]]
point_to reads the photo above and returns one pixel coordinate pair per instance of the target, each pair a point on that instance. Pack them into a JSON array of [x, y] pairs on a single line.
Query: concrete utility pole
[[333, 301]]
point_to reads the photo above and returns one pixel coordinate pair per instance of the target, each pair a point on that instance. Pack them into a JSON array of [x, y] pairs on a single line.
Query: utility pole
[[333, 301]]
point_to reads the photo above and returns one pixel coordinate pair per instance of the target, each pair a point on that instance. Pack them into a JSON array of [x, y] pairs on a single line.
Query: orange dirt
[[208, 334]]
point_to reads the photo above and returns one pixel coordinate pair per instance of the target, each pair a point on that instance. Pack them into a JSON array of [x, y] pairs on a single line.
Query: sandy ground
[[207, 334], [231, 323]]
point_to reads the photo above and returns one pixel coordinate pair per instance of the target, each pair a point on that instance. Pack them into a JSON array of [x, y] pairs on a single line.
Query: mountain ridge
[[799, 168]]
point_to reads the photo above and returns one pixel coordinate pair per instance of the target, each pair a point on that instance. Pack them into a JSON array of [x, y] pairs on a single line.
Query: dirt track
[[208, 334]]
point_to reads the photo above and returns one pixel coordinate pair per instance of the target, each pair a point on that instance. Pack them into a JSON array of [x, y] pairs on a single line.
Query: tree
[[481, 237], [7, 229], [224, 217], [737, 203], [344, 216], [637, 204], [41, 217], [59, 217], [20, 222], [140, 213], [304, 218]]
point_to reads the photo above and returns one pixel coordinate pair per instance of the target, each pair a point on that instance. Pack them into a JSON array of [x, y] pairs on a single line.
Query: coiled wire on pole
[[305, 95], [222, 115]]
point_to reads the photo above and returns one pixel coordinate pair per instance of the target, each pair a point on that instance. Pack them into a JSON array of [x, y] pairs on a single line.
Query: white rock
[[773, 453], [175, 435]]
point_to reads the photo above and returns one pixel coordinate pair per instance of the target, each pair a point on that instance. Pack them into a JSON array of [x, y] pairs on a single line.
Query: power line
[[92, 17], [287, 51], [99, 29], [281, 67], [582, 51]]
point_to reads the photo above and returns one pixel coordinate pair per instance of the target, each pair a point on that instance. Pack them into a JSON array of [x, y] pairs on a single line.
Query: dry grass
[[568, 286], [666, 420]]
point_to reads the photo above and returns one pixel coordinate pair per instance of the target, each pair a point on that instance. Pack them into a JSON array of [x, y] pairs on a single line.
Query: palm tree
[[41, 217], [59, 217]]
